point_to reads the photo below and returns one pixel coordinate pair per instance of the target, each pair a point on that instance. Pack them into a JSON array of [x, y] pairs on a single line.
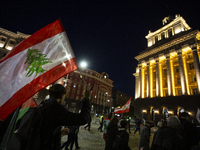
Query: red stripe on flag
[[47, 32], [41, 82]]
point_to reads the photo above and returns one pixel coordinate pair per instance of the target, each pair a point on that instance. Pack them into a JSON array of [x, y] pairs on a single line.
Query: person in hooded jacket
[[112, 131], [145, 136], [167, 138], [124, 136]]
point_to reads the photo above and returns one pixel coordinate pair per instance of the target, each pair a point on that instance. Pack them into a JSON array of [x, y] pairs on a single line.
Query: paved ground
[[93, 140]]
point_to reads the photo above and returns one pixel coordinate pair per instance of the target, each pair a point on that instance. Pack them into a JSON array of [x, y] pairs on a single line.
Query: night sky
[[108, 34]]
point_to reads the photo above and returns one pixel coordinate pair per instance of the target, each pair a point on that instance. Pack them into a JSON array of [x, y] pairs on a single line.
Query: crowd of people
[[172, 134]]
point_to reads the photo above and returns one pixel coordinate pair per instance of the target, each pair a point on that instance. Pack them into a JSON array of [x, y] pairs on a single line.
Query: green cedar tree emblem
[[35, 60], [124, 108]]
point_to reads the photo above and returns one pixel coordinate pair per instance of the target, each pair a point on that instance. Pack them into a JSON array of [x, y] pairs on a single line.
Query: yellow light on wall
[[172, 77], [156, 111], [151, 81], [161, 78], [150, 43], [170, 112], [186, 75], [144, 110], [9, 48], [142, 82]]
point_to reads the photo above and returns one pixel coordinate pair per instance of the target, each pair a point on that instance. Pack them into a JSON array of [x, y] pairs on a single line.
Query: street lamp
[[83, 64]]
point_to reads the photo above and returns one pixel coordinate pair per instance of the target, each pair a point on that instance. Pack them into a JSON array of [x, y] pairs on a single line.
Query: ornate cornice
[[167, 45], [171, 24], [14, 35]]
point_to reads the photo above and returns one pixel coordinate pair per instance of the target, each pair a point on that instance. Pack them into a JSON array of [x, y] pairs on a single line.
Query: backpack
[[27, 136], [116, 143]]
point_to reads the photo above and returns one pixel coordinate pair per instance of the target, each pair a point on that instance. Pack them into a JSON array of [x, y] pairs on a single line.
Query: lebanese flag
[[123, 109], [33, 64]]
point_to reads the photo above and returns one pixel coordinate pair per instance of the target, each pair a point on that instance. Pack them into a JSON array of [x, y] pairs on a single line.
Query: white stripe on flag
[[57, 49]]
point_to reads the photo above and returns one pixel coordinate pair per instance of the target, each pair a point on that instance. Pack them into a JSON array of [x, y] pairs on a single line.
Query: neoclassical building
[[167, 78], [83, 79], [9, 39]]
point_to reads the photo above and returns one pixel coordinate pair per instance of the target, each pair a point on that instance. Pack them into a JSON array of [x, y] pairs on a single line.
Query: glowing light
[[150, 43], [9, 48], [156, 111], [161, 80], [83, 64], [186, 75], [64, 64], [172, 77], [170, 112], [151, 81], [108, 100], [142, 83], [177, 30], [144, 111], [1, 45]]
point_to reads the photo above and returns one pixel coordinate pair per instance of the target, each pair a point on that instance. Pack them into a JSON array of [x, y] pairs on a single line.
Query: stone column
[[196, 67], [139, 83], [157, 78], [181, 71], [169, 83], [147, 78]]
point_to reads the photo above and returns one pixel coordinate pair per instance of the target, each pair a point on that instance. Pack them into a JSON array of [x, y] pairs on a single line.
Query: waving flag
[[123, 109], [92, 89], [36, 62]]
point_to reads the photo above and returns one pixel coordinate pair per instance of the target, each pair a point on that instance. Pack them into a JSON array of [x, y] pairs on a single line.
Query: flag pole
[[9, 130]]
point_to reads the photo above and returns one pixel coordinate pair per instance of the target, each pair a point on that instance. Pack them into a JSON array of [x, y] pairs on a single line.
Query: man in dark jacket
[[188, 131], [112, 131], [124, 136], [167, 138], [56, 115]]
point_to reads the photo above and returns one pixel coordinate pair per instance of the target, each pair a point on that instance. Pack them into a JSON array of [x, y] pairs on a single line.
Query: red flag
[[123, 109], [35, 63]]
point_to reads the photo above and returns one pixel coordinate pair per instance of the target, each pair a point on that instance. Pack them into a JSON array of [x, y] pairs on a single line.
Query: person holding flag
[[32, 65]]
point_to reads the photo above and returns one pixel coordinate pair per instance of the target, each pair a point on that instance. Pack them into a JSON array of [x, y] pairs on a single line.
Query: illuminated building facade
[[9, 39], [168, 72], [77, 82]]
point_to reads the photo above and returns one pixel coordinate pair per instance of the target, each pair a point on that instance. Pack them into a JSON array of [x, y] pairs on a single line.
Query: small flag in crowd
[[92, 89], [24, 108], [30, 66], [123, 109]]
